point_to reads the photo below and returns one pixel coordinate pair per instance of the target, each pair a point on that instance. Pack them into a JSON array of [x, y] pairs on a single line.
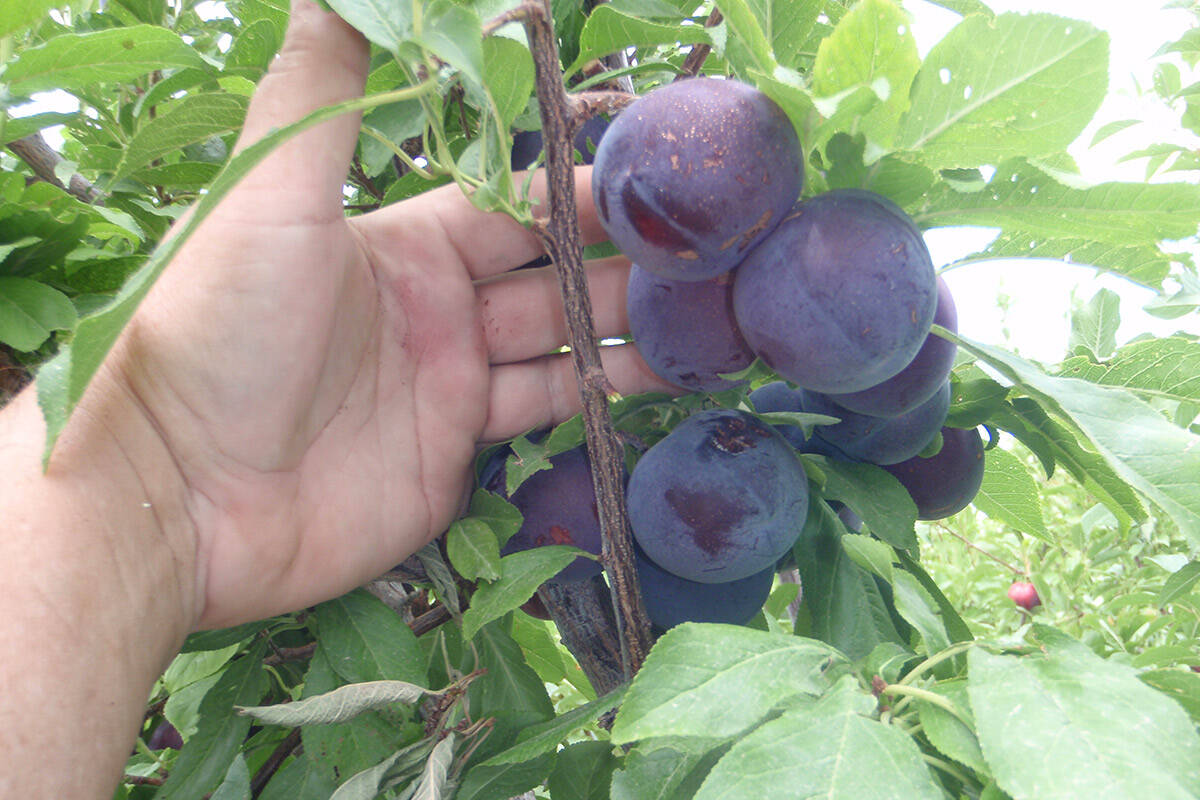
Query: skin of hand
[[294, 409]]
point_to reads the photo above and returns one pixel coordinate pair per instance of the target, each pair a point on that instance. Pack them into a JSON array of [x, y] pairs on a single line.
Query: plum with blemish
[[558, 506], [840, 296], [721, 498], [691, 176], [923, 376], [685, 329]]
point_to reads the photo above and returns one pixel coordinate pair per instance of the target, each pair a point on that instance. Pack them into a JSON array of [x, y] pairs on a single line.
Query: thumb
[[323, 61]]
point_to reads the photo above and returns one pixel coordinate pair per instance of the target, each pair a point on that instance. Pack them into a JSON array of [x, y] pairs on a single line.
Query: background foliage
[[906, 672]]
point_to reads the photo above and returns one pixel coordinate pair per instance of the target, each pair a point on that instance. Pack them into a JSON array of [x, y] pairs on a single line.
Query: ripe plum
[[945, 483], [923, 376], [527, 145], [559, 507], [778, 396], [721, 498], [685, 329], [881, 440], [672, 600], [694, 174], [841, 295]]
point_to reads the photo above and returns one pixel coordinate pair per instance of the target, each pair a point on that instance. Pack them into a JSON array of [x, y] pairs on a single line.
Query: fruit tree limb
[[561, 238], [43, 160]]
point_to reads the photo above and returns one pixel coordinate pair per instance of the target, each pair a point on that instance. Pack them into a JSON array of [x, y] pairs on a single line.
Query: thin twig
[[43, 160], [973, 546], [273, 762], [695, 59], [562, 240]]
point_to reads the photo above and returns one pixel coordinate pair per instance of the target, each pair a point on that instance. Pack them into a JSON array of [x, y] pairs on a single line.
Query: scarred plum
[[685, 329], [694, 174], [841, 295], [722, 497], [923, 376]]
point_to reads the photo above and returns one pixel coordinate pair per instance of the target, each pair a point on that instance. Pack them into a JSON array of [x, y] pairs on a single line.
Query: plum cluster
[[699, 183]]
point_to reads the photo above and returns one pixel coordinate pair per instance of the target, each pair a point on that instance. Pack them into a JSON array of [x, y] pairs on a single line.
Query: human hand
[[322, 384]]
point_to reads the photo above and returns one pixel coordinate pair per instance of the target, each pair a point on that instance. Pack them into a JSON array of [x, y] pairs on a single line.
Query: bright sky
[[1037, 294]]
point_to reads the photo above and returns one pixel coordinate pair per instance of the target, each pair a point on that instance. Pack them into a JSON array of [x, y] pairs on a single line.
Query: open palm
[[323, 383]]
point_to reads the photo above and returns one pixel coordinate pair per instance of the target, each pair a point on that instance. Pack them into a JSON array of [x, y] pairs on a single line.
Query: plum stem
[[699, 53], [560, 236]]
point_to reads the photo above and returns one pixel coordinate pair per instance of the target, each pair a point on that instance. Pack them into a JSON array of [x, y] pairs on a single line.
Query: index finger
[[487, 242]]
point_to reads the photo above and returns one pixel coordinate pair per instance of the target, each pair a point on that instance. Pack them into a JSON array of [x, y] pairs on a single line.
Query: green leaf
[[236, 785], [508, 68], [1182, 686], [368, 783], [1142, 447], [1168, 368], [509, 685], [541, 648], [1023, 198], [608, 30], [190, 120], [747, 31], [993, 88], [718, 681], [974, 399], [500, 515], [955, 626], [876, 496], [254, 46], [75, 61], [19, 127], [339, 705], [829, 747], [871, 48], [299, 779], [919, 610], [503, 781], [208, 754], [1009, 495], [223, 637], [62, 380], [546, 737], [845, 603], [1141, 263], [367, 641], [473, 549], [949, 733], [30, 311], [17, 16], [1064, 723], [664, 769], [582, 771], [454, 33], [1179, 583], [870, 554], [383, 22], [521, 574], [1094, 326]]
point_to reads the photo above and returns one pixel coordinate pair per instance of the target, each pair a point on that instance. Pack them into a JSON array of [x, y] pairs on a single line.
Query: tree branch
[[561, 237], [695, 59], [43, 160]]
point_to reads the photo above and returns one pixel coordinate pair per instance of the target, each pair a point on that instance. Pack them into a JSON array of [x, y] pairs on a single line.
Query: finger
[[522, 312], [542, 392], [323, 61], [487, 242]]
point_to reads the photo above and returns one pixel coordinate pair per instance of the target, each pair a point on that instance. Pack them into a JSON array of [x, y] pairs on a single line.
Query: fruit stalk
[[561, 238]]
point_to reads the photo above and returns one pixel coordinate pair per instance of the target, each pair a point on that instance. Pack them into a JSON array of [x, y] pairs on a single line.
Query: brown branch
[[273, 762], [43, 160], [583, 613], [561, 238], [143, 780], [13, 377], [695, 59], [585, 105]]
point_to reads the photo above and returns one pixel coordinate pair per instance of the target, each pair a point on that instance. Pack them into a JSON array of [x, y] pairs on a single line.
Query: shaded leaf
[[1009, 495], [339, 705], [30, 311]]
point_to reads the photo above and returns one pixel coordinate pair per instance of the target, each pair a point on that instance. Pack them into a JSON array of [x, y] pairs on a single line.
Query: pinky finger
[[542, 392]]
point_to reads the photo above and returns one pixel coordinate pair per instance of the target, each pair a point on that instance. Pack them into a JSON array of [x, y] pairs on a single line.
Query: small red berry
[[1024, 594]]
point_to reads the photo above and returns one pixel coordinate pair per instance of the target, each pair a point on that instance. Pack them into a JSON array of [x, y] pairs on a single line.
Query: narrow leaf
[[521, 574], [193, 119], [343, 703], [546, 738]]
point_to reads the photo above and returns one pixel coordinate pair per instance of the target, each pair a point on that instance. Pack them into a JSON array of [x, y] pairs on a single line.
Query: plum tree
[[527, 145], [685, 329], [880, 440], [694, 174], [841, 295], [923, 376], [558, 506], [672, 600], [722, 497], [943, 484]]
